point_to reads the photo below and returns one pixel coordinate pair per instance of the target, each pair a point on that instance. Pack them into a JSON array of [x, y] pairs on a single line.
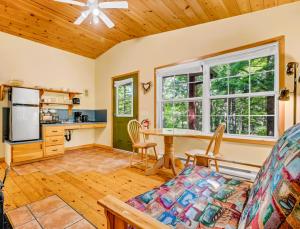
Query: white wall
[[144, 54], [40, 65]]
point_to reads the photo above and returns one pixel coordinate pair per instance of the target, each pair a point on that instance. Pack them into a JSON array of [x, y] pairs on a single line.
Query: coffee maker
[[77, 116]]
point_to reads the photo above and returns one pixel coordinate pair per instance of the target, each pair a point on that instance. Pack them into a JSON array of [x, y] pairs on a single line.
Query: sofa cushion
[[274, 198], [197, 197]]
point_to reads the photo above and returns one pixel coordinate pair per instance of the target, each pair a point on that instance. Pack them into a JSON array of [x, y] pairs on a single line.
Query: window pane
[[127, 107], [218, 107], [262, 125], [262, 105], [195, 122], [180, 122], [167, 120], [219, 71], [195, 108], [238, 125], [196, 77], [239, 68], [262, 64], [238, 85], [168, 87], [180, 108], [215, 121], [195, 115], [120, 106], [262, 82], [181, 79], [181, 91], [219, 87], [167, 108], [125, 93], [238, 106], [195, 90]]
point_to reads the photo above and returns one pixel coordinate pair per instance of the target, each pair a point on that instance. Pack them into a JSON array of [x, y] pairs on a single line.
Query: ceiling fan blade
[[82, 17], [106, 20], [114, 5], [72, 2]]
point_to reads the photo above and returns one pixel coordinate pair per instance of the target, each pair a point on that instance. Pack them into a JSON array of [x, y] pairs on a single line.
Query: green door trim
[[134, 74]]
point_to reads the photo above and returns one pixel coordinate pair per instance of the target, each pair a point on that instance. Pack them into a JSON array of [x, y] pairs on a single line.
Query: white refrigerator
[[24, 114]]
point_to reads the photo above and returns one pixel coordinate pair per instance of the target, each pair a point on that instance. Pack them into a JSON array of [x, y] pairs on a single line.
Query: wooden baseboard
[[106, 147], [103, 146], [79, 147]]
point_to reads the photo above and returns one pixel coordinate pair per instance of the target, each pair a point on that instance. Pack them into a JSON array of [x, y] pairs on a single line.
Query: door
[[125, 108]]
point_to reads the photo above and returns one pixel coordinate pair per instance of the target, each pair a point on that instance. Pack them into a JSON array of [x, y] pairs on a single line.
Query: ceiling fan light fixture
[[96, 11], [96, 20]]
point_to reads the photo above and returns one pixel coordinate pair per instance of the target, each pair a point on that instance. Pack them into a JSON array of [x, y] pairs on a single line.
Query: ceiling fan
[[95, 8]]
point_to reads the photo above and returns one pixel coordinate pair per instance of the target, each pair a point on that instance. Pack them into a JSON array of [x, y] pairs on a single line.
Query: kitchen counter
[[77, 125], [72, 123]]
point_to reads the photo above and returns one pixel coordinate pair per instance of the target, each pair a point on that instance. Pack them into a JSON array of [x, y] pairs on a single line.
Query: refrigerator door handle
[[25, 105]]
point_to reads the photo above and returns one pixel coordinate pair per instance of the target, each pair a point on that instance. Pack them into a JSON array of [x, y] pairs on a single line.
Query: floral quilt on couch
[[197, 197], [201, 198], [274, 199]]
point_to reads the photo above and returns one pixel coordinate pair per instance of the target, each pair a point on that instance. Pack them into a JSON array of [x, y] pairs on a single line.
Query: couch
[[201, 198]]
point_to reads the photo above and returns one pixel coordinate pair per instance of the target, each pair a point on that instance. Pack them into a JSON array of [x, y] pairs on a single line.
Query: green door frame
[[116, 78]]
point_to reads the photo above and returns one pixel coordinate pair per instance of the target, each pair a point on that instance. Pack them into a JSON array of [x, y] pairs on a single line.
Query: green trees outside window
[[244, 115], [183, 108], [124, 96], [240, 94]]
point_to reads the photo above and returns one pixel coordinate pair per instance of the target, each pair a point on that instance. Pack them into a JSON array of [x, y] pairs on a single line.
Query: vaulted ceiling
[[51, 23]]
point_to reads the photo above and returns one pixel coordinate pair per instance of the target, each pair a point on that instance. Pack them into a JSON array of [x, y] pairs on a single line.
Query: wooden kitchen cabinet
[[54, 150], [53, 131], [53, 140], [27, 152]]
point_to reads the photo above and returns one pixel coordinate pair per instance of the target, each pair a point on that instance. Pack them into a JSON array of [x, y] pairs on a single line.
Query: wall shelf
[[62, 104], [71, 95]]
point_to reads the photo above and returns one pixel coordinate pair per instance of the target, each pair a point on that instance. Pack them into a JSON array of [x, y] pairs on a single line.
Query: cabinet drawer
[[54, 131], [27, 152], [54, 150], [55, 140]]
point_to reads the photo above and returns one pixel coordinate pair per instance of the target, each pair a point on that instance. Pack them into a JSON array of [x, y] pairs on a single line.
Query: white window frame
[[193, 67], [118, 84]]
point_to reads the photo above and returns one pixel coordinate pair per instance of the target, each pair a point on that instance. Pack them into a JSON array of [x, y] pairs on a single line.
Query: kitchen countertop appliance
[[24, 114], [84, 118], [77, 116]]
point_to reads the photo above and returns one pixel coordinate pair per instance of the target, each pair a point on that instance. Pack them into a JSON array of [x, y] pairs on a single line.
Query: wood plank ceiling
[[51, 23]]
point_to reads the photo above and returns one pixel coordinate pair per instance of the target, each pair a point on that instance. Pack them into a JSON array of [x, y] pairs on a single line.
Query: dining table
[[169, 159]]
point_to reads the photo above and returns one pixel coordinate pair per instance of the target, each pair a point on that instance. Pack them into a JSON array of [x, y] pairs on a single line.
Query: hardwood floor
[[79, 190]]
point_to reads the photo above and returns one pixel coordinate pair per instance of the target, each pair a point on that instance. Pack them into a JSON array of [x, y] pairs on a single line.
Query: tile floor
[[51, 212], [79, 161]]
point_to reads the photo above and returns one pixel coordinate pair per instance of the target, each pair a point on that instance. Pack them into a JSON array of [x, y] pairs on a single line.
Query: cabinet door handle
[[54, 131], [54, 150], [55, 140]]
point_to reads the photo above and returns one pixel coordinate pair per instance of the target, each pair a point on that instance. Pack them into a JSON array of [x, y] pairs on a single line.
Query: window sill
[[244, 140], [256, 141]]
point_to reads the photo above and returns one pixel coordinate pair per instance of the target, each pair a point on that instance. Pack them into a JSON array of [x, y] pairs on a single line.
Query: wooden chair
[[205, 161], [139, 143]]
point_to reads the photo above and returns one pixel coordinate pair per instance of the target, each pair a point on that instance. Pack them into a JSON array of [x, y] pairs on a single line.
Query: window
[[124, 100], [239, 89], [182, 101]]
